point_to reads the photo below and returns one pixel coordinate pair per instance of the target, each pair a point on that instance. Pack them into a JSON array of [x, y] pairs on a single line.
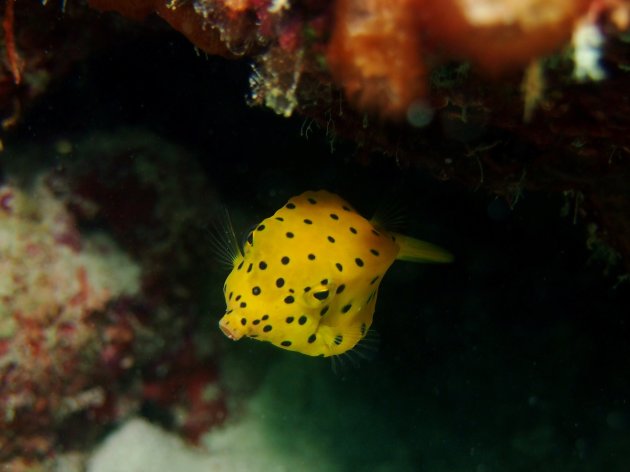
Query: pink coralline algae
[[56, 287], [98, 293]]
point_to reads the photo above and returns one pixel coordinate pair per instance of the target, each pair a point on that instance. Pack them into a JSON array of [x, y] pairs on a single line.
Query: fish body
[[307, 279]]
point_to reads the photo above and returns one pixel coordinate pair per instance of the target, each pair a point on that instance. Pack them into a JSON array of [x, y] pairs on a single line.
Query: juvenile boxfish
[[308, 276]]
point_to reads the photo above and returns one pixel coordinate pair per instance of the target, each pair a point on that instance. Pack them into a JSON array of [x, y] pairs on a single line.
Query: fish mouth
[[231, 333]]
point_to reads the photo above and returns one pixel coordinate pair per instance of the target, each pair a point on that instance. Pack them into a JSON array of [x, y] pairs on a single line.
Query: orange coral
[[379, 48], [376, 54], [501, 35]]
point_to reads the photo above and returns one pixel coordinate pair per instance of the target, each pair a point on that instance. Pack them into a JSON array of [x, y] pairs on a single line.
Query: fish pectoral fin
[[223, 240], [415, 250]]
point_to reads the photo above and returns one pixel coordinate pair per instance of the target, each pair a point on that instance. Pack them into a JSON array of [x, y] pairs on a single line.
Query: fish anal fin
[[364, 350]]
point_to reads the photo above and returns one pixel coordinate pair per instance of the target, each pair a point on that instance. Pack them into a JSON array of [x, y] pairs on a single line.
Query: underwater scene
[[315, 236]]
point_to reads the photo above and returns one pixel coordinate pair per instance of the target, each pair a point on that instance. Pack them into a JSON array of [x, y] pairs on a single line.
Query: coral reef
[[64, 313], [97, 287], [538, 102]]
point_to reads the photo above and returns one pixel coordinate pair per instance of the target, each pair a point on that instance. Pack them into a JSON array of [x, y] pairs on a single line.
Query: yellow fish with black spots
[[308, 276]]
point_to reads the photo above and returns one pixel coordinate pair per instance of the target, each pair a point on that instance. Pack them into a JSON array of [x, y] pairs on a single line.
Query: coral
[[56, 286], [227, 28], [190, 390], [97, 286], [499, 36], [376, 55]]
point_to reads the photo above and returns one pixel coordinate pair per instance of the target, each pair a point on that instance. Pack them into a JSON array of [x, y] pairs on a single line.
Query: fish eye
[[318, 294], [321, 294]]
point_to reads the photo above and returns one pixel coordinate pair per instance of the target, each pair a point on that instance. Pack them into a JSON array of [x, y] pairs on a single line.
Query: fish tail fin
[[415, 250]]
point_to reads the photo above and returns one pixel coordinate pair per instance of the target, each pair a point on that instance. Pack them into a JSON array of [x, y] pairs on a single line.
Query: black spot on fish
[[289, 319], [302, 319], [324, 311], [228, 312], [324, 282], [240, 266], [288, 300], [262, 265], [363, 328], [243, 321], [346, 308], [375, 252], [290, 234], [285, 343], [238, 297], [340, 289], [279, 282], [291, 290], [353, 230], [285, 260], [312, 201], [307, 289], [230, 295], [249, 268], [321, 295], [267, 328], [250, 239], [346, 208], [279, 218], [312, 338], [290, 206], [308, 222], [265, 317], [311, 257], [334, 216], [256, 290], [339, 267], [260, 227], [338, 339], [331, 239], [243, 305], [359, 261], [256, 322], [253, 335], [374, 280]]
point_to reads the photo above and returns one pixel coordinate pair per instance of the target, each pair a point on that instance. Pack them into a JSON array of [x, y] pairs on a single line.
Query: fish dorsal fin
[[415, 250], [392, 214], [364, 351], [223, 240]]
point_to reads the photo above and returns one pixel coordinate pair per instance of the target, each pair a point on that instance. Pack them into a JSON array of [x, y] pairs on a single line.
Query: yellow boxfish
[[308, 276]]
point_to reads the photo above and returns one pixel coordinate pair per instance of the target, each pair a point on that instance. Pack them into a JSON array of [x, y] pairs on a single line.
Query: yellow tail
[[415, 250]]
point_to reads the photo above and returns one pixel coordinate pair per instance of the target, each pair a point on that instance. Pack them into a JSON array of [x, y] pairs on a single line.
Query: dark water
[[513, 358]]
